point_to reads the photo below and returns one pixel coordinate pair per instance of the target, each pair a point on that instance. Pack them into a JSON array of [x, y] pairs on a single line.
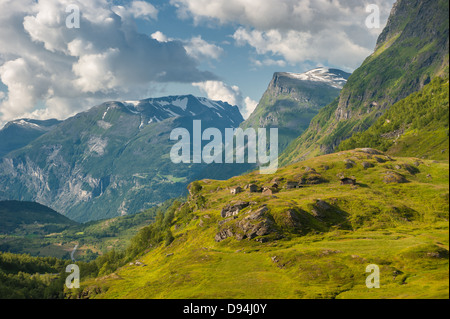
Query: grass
[[402, 228]]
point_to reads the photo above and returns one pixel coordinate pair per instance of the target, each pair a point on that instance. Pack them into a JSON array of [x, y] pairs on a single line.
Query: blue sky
[[222, 49]]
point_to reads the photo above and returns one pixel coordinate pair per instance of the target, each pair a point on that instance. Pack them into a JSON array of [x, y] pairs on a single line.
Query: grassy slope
[[423, 119], [402, 227], [412, 49]]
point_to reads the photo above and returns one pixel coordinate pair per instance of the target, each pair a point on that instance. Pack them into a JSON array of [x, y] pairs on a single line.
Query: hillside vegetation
[[411, 51], [25, 277], [309, 242], [30, 228], [416, 126]]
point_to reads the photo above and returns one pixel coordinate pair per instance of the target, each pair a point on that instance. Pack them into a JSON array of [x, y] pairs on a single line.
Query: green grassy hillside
[[411, 51], [416, 126], [311, 242]]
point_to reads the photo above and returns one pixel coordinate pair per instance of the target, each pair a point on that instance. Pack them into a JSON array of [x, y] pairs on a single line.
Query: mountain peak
[[333, 77]]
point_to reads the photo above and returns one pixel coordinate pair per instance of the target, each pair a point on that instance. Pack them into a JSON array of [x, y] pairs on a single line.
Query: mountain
[[292, 100], [19, 133], [113, 159], [415, 126], [311, 237], [412, 50], [30, 218]]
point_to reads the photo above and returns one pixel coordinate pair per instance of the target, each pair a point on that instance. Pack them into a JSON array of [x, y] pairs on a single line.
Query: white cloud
[[269, 62], [200, 49], [159, 36], [220, 91], [296, 30], [138, 10], [250, 106], [63, 71], [296, 47], [142, 9], [195, 47]]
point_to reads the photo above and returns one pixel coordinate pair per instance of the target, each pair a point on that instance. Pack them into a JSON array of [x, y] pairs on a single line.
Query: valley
[[151, 200]]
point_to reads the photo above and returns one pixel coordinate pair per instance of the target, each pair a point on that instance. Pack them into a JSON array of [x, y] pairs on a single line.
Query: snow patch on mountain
[[25, 123], [181, 103], [324, 75]]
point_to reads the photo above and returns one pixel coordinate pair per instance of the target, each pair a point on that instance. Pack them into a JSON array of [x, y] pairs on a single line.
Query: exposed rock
[[291, 219], [312, 178], [224, 234], [394, 178], [233, 210], [254, 225], [348, 181], [320, 208], [367, 165], [409, 168], [349, 163]]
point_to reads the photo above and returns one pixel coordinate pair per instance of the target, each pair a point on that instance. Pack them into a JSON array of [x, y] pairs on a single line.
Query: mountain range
[[111, 160], [364, 181], [311, 229]]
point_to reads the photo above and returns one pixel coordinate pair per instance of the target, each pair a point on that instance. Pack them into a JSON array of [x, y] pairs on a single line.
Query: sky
[[51, 66]]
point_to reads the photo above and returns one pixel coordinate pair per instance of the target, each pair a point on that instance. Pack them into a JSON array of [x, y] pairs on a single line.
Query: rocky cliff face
[[292, 100], [112, 160], [412, 50]]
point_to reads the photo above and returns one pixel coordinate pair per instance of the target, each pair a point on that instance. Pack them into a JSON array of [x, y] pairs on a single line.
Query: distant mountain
[[31, 219], [292, 100], [411, 51], [19, 133], [113, 159]]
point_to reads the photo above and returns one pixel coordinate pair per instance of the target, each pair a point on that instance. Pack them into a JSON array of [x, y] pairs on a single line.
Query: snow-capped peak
[[26, 123], [333, 77]]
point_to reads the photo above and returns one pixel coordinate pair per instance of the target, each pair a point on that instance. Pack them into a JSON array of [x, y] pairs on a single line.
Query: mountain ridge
[[292, 100], [116, 149], [411, 51]]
